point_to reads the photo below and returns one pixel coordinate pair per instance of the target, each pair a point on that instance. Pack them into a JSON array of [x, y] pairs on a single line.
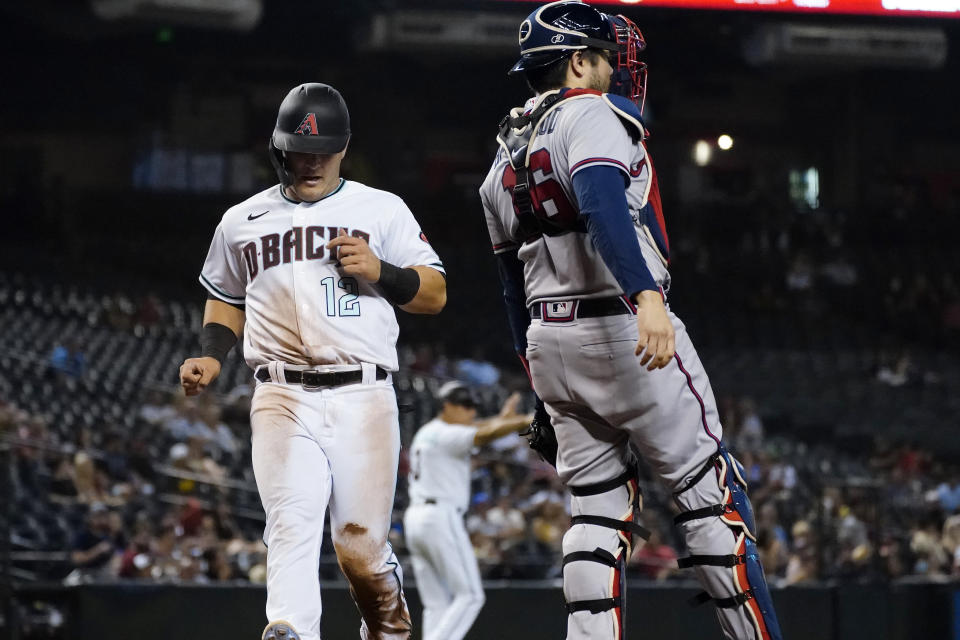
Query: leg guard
[[603, 530], [718, 525], [280, 630]]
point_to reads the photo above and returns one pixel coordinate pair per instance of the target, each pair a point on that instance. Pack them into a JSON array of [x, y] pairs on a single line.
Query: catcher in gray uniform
[[573, 211]]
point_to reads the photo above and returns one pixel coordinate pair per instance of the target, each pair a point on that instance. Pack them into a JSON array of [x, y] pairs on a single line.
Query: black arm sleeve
[[511, 275], [400, 286], [216, 340]]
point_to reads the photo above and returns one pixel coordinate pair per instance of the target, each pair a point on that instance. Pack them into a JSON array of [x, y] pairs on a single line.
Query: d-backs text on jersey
[[299, 243]]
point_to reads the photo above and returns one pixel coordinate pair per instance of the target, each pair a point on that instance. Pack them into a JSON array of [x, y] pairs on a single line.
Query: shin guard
[[717, 522]]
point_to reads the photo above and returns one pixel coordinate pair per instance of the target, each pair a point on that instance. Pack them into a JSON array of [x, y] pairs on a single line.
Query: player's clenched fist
[[356, 257], [197, 373], [656, 339]]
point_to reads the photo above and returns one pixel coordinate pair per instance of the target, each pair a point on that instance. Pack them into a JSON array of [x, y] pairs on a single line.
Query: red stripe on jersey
[[580, 92], [587, 161]]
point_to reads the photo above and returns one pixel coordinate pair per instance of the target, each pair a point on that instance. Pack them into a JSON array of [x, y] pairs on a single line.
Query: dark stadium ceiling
[[458, 28]]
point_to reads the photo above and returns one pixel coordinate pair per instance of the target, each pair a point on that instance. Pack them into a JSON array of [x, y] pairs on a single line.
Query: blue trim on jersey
[[284, 195], [220, 293], [518, 317], [603, 206]]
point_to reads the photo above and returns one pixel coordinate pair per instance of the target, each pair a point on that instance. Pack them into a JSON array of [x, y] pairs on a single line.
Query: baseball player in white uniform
[[573, 210], [444, 564], [309, 272]]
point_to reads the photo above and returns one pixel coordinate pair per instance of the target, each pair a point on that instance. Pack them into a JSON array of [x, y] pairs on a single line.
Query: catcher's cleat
[[280, 630]]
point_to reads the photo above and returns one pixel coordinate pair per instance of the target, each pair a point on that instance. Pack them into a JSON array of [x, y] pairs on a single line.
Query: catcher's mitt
[[541, 436]]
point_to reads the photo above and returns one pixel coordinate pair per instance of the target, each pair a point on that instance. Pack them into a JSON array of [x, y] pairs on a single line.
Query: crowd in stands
[[173, 498], [125, 478]]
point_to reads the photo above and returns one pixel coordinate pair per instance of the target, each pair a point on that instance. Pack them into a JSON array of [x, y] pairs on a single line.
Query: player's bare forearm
[[197, 373], [432, 295], [225, 314], [499, 427], [504, 423]]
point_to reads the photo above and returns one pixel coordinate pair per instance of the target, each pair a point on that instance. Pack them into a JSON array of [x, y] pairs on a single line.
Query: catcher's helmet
[[554, 31], [313, 118]]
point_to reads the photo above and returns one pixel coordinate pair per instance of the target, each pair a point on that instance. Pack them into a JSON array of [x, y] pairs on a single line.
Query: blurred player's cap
[[457, 393]]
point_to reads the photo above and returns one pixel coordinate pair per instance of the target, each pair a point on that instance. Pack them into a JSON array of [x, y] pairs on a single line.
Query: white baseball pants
[[335, 447], [445, 566]]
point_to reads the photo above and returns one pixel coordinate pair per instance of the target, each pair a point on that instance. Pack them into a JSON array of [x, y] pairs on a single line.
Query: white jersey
[[269, 253], [440, 463], [582, 131]]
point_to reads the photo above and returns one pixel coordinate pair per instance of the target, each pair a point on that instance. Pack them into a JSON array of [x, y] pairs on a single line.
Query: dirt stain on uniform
[[353, 529]]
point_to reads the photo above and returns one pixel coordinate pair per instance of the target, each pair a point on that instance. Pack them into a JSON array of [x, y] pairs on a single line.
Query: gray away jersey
[[270, 254], [577, 133]]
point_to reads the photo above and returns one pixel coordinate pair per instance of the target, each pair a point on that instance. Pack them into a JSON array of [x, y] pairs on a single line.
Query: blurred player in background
[[445, 566], [309, 271], [573, 210]]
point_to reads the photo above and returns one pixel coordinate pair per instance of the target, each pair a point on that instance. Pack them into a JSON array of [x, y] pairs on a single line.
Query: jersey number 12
[[347, 305]]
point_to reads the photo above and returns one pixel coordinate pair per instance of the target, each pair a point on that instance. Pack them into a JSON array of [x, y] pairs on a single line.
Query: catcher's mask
[[313, 118], [554, 31]]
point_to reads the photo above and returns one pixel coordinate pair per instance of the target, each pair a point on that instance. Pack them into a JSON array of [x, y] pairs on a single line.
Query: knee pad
[[603, 530], [713, 505]]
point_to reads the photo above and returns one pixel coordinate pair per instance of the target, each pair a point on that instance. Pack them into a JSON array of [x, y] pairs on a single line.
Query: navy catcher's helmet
[[554, 31], [313, 118]]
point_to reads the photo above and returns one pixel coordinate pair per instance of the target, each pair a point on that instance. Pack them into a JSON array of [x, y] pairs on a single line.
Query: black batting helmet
[[313, 118]]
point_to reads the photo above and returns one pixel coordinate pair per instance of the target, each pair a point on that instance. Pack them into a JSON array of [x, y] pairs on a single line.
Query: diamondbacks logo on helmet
[[308, 126]]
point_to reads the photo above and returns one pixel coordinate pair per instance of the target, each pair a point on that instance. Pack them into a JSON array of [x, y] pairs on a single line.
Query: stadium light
[[702, 152]]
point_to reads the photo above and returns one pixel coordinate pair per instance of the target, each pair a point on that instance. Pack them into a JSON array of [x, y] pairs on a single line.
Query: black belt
[[311, 378], [566, 310], [435, 502]]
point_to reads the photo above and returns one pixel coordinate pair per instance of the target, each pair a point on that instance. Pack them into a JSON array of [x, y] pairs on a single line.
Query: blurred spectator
[[477, 370], [157, 407], [896, 372], [800, 275], [68, 359], [948, 492], [654, 559], [549, 524], [750, 426], [951, 542], [505, 522], [802, 564], [94, 546], [931, 559]]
